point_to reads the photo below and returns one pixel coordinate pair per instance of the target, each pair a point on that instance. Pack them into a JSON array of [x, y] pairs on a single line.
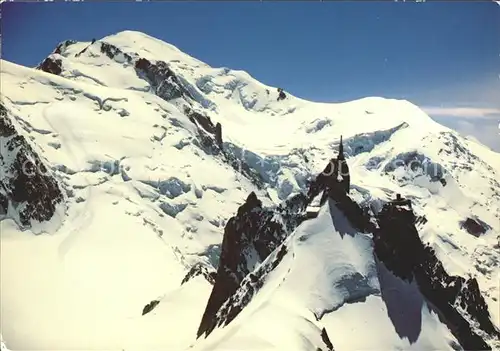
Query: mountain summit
[[150, 201]]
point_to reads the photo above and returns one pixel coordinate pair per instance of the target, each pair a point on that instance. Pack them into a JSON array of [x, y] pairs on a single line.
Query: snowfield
[[329, 279], [144, 202]]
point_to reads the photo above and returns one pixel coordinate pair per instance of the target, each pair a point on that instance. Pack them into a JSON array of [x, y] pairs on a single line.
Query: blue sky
[[443, 56]]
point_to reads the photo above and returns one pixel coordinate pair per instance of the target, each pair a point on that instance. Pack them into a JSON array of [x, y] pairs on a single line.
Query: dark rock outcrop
[[281, 94], [51, 65], [249, 238], [210, 136], [61, 48], [421, 220], [249, 286], [112, 51], [200, 269], [207, 131], [85, 49], [162, 79], [201, 120], [150, 306], [4, 204], [397, 240], [398, 246], [326, 340], [218, 134], [27, 187], [358, 217], [474, 227]]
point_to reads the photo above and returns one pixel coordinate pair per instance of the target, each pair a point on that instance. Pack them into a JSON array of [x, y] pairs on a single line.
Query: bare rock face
[[326, 340], [27, 189], [51, 65], [474, 227], [210, 137], [150, 306], [162, 79], [112, 51], [200, 269], [249, 238], [218, 134], [256, 232], [281, 94], [207, 131], [459, 300], [61, 48]]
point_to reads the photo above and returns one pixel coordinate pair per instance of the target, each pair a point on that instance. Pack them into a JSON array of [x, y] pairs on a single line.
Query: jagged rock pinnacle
[[341, 150]]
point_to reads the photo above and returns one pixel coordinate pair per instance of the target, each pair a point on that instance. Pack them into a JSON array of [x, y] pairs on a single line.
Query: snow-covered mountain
[[152, 202]]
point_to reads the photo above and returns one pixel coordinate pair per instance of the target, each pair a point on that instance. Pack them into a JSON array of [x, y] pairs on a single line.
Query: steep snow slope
[[147, 199], [144, 204], [329, 279]]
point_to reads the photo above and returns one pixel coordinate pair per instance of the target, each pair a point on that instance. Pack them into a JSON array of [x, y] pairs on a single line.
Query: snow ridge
[[249, 238], [354, 280]]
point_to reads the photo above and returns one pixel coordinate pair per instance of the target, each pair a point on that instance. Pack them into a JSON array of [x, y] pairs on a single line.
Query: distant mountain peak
[[174, 196]]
